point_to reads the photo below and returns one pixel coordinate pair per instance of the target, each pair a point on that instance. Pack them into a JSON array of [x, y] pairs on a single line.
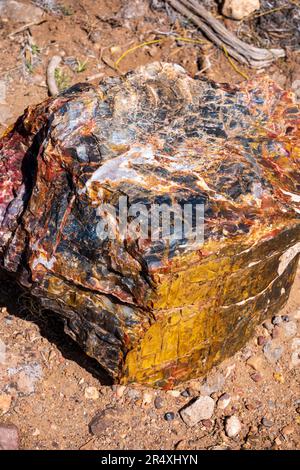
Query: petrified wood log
[[155, 311]]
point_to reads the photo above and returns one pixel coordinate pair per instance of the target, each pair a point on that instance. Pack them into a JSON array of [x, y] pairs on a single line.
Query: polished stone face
[[156, 311]]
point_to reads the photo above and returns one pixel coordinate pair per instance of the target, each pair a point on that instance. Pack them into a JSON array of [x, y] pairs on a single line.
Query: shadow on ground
[[19, 303]]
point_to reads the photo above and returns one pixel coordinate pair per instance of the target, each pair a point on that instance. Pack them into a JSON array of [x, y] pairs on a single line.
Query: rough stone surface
[[133, 9], [108, 418], [224, 401], [9, 437], [273, 352], [20, 12], [232, 426], [212, 384], [91, 393], [201, 408], [163, 138], [290, 329], [239, 9]]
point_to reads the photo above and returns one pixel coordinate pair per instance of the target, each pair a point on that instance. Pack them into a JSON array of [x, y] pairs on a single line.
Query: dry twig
[[219, 35], [52, 66]]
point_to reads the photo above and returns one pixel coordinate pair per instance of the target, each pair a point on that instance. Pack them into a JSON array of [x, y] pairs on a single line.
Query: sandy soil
[[48, 387]]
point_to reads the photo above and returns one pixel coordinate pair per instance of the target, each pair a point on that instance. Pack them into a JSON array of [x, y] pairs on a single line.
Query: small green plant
[[29, 66], [35, 49], [81, 66], [62, 79]]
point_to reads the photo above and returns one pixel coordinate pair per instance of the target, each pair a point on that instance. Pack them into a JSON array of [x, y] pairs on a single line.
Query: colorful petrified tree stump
[[155, 310]]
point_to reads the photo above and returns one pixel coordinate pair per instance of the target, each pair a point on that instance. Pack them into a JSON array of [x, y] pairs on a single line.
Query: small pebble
[[257, 377], [115, 50], [229, 370], [232, 426], [290, 329], [147, 398], [169, 416], [174, 393], [91, 393], [96, 36], [278, 441], [239, 9], [158, 403], [272, 353], [198, 410], [212, 384], [267, 422], [224, 401], [276, 320], [207, 423], [119, 390], [9, 437], [133, 394], [261, 340]]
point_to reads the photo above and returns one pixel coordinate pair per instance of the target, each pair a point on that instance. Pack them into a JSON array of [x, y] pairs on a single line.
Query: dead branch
[[51, 82], [219, 35]]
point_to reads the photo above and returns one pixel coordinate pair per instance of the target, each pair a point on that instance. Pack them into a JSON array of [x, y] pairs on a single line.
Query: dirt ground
[[48, 388]]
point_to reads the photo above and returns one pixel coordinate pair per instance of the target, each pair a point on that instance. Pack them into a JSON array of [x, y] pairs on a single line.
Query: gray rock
[[200, 409], [289, 328], [133, 394], [9, 437], [277, 320], [26, 377], [133, 9], [272, 352], [212, 384], [19, 12], [267, 422], [232, 426]]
